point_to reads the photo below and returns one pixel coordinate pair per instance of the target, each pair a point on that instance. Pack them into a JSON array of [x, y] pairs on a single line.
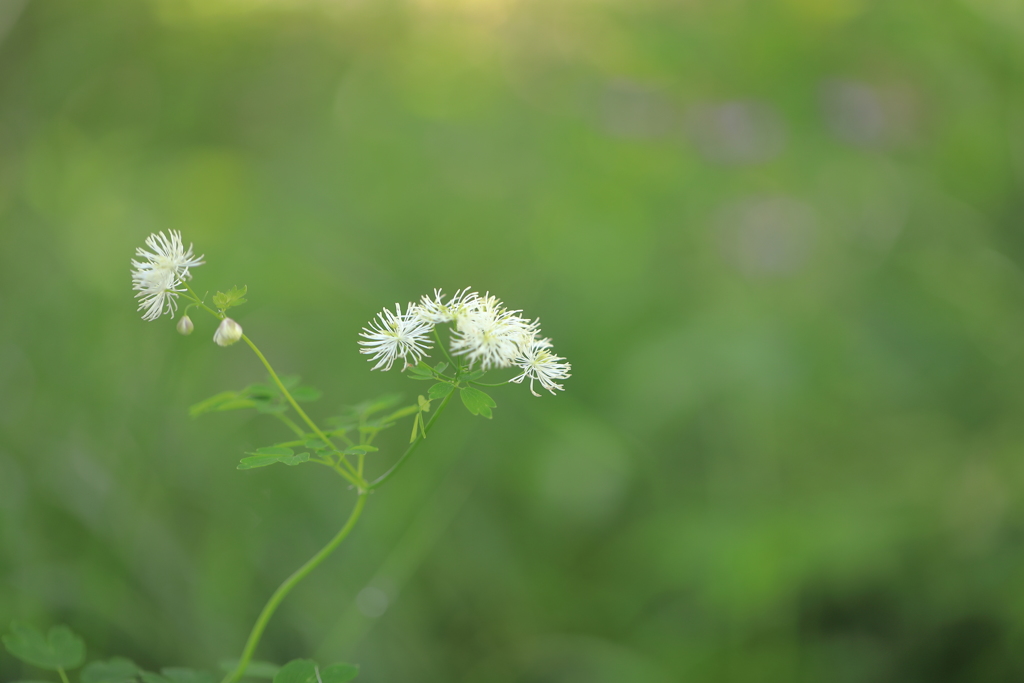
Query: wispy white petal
[[436, 312], [488, 333], [396, 335], [540, 365], [159, 272]]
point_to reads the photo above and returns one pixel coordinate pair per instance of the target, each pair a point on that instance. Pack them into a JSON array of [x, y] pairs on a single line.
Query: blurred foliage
[[780, 242]]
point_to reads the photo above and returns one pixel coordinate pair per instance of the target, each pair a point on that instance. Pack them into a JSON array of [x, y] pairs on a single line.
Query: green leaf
[[342, 422], [236, 404], [233, 297], [268, 407], [115, 670], [255, 461], [401, 412], [306, 394], [476, 374], [177, 674], [254, 670], [271, 455], [295, 459], [212, 403], [477, 402], [272, 450], [260, 390], [297, 671], [150, 677], [424, 404], [315, 444], [422, 378], [422, 368], [421, 371], [339, 673], [439, 368], [365, 447], [306, 671], [440, 390], [60, 649]]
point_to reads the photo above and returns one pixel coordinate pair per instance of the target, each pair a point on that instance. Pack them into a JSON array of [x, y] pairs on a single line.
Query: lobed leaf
[[297, 671], [233, 297], [439, 390], [270, 456], [212, 403], [422, 368], [115, 670], [306, 394], [272, 450], [477, 402], [60, 649], [268, 407], [307, 671], [339, 673], [260, 390]]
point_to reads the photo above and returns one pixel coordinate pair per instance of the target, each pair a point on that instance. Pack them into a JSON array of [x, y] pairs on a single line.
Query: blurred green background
[[780, 242]]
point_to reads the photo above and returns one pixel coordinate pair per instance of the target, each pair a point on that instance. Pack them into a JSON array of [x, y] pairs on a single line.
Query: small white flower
[[185, 325], [158, 276], [540, 365], [436, 312], [228, 332], [488, 332], [396, 335]]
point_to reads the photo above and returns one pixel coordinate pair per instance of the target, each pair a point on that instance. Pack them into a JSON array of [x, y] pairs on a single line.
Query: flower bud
[[185, 325], [228, 332]]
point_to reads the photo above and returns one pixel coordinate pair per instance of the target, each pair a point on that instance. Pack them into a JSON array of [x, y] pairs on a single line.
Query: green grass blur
[[780, 242]]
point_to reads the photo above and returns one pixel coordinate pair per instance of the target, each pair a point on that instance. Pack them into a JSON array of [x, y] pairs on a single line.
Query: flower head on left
[[158, 274], [396, 335]]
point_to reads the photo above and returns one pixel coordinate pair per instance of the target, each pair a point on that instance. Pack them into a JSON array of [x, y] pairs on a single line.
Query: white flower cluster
[[158, 276], [485, 332]]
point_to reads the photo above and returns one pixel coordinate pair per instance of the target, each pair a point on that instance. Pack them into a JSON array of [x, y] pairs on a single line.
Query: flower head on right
[[485, 334]]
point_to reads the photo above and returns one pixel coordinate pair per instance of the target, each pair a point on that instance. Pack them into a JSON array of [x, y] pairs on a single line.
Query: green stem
[[350, 475], [299, 431], [358, 483], [485, 384], [63, 676], [286, 587], [338, 432], [408, 451], [200, 304], [441, 346]]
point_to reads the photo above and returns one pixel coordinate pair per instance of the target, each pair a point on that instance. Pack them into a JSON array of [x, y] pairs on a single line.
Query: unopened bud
[[228, 332], [185, 325]]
